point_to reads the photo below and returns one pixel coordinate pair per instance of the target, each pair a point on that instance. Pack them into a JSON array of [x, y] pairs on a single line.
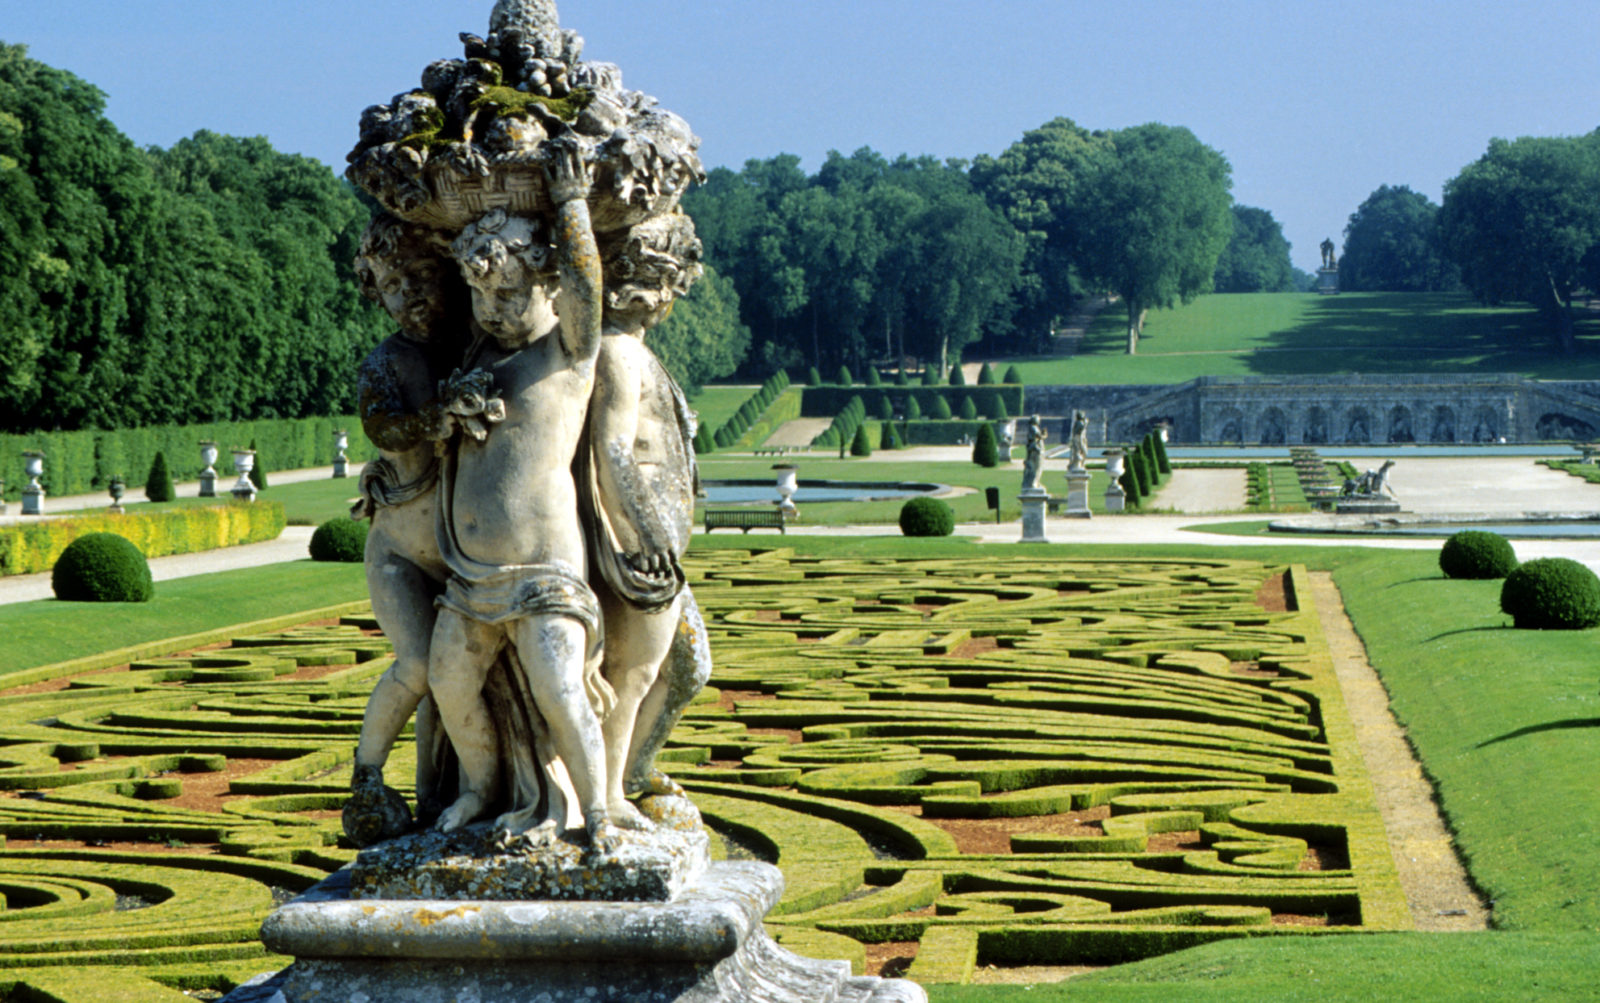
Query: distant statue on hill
[[1328, 260]]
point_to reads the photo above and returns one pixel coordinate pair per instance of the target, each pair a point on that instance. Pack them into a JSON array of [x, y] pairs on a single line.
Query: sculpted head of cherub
[[509, 263], [403, 268], [648, 267]]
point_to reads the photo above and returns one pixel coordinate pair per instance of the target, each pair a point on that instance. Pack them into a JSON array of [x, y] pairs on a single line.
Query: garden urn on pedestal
[[33, 493], [1116, 497], [243, 461], [341, 462], [117, 488], [208, 476], [787, 484]]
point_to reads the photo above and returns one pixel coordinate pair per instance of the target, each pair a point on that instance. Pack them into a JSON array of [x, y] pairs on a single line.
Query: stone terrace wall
[[1335, 410]]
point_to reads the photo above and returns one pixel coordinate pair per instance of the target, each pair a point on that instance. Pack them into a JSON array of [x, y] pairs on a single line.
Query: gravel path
[[1435, 884]]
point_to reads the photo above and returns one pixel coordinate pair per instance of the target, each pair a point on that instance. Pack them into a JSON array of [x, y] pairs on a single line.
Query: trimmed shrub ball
[[102, 567], [1474, 553], [341, 539], [926, 517], [1552, 593]]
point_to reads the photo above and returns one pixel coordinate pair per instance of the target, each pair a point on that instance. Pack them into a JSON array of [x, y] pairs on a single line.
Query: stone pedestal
[[1077, 494], [1327, 280], [1033, 507], [1365, 506], [1116, 498], [705, 945], [33, 500], [208, 484]]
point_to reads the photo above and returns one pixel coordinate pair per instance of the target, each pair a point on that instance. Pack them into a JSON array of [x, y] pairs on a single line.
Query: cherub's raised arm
[[577, 255]]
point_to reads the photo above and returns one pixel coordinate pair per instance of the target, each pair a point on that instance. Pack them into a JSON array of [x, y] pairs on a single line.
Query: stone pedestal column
[[1033, 508], [1077, 494]]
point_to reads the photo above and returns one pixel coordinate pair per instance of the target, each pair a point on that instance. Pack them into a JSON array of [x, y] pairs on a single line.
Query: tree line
[[870, 259], [1519, 224], [207, 282]]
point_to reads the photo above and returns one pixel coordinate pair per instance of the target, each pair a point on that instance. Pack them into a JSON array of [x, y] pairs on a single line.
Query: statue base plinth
[[470, 864], [706, 945], [1365, 506], [32, 501], [208, 484], [341, 468], [1077, 494], [1327, 281], [1033, 508], [1116, 498]]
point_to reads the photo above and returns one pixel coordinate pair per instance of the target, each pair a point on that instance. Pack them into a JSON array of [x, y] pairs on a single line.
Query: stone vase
[[244, 461], [788, 483], [33, 492], [1116, 497], [341, 462], [208, 476]]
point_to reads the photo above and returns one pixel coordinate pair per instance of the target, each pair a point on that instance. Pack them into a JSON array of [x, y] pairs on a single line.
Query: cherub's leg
[[683, 675], [459, 659], [402, 601], [636, 645], [552, 649]]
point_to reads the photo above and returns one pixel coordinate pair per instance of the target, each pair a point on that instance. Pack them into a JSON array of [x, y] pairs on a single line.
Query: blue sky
[[1315, 105]]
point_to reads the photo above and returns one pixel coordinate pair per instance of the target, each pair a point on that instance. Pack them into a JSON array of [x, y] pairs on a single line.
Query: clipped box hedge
[[27, 548], [85, 461]]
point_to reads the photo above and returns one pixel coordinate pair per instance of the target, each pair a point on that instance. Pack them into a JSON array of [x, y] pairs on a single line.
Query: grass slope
[[1294, 334]]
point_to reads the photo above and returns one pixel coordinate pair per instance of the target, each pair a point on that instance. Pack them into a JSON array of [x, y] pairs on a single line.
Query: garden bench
[[745, 519]]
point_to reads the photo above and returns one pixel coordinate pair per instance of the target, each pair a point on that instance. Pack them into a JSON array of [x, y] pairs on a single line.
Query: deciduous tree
[[1391, 244]]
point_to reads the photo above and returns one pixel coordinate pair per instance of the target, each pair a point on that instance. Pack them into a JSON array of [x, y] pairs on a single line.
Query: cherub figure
[[640, 509], [509, 528], [402, 266]]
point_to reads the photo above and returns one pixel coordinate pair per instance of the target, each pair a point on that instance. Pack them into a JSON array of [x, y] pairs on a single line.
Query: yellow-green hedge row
[[30, 547]]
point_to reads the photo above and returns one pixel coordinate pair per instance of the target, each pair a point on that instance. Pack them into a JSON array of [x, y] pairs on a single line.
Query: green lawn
[[716, 405], [1296, 334], [49, 631], [305, 503]]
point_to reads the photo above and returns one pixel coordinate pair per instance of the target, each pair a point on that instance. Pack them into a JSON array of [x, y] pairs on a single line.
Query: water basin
[[736, 492], [1531, 525]]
